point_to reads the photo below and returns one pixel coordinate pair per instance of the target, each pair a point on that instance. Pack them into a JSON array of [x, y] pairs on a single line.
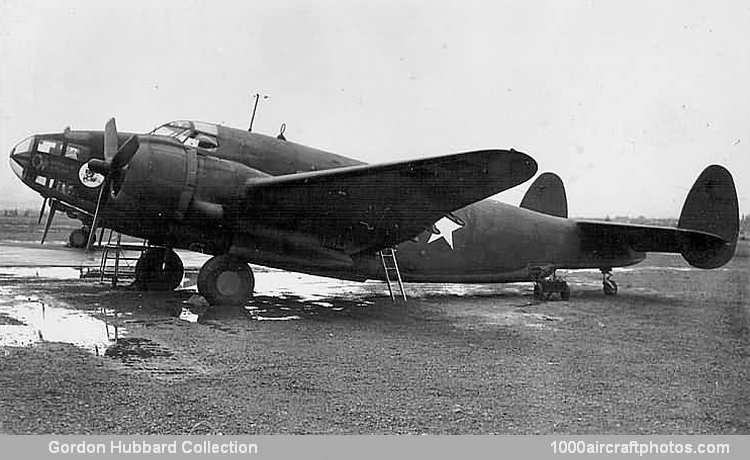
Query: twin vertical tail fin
[[711, 207], [547, 195]]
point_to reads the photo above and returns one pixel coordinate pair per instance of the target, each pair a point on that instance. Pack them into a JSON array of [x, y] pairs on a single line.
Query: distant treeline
[[16, 212], [667, 222], [744, 222]]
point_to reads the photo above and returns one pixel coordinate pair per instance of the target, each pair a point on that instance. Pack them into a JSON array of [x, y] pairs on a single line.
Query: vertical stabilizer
[[547, 195], [711, 207]]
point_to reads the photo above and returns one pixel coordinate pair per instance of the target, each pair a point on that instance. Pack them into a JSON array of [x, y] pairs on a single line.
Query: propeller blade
[[92, 230], [41, 211], [110, 140], [52, 211], [125, 153]]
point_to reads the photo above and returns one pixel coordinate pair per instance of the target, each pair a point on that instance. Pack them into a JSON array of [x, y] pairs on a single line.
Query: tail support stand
[[390, 266], [608, 284], [546, 283]]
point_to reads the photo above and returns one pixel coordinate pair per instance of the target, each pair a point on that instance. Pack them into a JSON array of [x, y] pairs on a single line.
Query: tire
[[565, 292], [78, 238], [538, 291], [226, 280], [158, 269], [610, 287]]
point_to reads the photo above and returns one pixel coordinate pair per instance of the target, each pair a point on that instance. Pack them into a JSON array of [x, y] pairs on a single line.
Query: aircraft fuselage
[[172, 190]]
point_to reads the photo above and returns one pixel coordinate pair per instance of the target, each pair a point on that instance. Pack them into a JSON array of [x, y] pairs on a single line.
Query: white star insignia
[[445, 227]]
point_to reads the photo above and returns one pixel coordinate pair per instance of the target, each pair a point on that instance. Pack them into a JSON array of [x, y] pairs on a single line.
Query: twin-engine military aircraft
[[245, 197]]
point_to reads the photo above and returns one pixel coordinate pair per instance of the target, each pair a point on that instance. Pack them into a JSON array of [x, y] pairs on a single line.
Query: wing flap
[[369, 207]]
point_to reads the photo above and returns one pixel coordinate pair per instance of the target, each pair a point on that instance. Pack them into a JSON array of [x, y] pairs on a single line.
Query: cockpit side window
[[169, 131], [202, 140], [77, 152], [193, 134], [50, 146]]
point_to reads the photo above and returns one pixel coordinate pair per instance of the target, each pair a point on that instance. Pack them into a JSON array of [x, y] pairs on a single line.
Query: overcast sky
[[626, 100]]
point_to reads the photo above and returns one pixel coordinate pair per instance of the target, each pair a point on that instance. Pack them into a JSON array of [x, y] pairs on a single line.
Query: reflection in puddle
[[63, 273], [276, 318], [25, 321], [325, 292], [189, 316], [132, 350]]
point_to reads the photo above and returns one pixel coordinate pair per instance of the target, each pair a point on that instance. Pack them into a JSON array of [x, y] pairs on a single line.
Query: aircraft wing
[[647, 238], [369, 207]]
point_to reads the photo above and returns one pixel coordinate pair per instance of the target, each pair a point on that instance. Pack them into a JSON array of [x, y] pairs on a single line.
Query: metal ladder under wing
[[390, 265]]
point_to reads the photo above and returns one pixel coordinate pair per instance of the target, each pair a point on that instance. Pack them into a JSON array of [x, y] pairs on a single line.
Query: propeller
[[113, 168], [52, 211], [41, 211], [44, 202]]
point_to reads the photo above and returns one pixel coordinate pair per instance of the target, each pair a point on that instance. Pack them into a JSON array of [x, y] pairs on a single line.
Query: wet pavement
[[27, 319], [314, 354]]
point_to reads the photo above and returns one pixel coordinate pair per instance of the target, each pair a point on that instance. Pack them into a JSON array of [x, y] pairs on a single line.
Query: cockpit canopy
[[191, 133]]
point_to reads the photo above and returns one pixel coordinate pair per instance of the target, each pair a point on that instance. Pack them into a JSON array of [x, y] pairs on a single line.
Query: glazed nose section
[[20, 156]]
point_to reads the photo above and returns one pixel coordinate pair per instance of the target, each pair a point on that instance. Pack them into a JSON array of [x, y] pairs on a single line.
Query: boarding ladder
[[118, 259], [390, 266]]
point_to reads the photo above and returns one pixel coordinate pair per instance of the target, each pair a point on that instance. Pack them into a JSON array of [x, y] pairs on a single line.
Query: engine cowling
[[167, 183]]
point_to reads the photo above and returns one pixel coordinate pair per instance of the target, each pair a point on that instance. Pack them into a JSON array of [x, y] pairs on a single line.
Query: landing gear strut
[[79, 237], [545, 287], [226, 280], [609, 285], [158, 269]]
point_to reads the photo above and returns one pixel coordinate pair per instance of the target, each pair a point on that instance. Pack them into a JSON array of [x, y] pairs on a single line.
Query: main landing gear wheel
[[608, 284], [226, 280], [158, 269], [79, 237]]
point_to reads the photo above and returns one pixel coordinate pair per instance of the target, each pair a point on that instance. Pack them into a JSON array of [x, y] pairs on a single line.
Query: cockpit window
[[207, 128], [181, 124], [23, 146], [193, 134], [170, 131]]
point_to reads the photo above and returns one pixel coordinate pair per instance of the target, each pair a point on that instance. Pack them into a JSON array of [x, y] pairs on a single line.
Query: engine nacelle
[[166, 183]]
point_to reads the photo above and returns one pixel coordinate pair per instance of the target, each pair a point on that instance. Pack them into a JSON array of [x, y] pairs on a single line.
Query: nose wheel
[[226, 280], [608, 284], [79, 237], [158, 269]]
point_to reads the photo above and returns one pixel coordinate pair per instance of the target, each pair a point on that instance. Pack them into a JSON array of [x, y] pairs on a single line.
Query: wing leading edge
[[369, 207]]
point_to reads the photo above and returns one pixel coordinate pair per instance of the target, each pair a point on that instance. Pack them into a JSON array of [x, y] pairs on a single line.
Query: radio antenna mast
[[255, 108]]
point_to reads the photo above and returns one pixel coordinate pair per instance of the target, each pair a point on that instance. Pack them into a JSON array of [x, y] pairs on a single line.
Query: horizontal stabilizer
[[645, 238], [706, 235], [547, 195]]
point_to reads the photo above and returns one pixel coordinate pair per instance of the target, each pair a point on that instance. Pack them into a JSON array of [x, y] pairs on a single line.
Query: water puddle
[[62, 273], [25, 321]]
